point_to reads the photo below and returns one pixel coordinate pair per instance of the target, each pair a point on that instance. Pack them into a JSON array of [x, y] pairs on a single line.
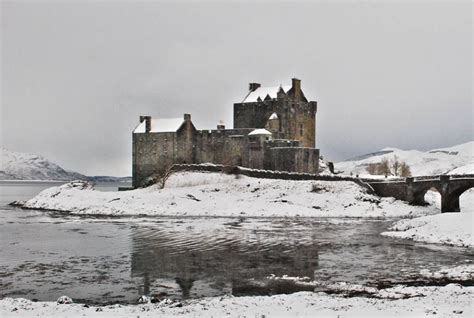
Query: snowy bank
[[218, 194], [462, 272], [446, 228], [449, 301]]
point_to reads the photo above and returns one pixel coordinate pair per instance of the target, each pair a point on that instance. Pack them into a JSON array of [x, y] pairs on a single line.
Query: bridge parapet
[[413, 189]]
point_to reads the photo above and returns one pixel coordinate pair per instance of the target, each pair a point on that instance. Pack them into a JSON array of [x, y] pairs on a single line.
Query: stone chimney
[[296, 86], [220, 125], [147, 120], [187, 117], [254, 86]]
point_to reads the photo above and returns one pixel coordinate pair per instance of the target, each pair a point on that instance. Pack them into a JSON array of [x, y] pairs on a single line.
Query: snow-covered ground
[[461, 272], [446, 228], [449, 301], [218, 194], [454, 160], [24, 166]]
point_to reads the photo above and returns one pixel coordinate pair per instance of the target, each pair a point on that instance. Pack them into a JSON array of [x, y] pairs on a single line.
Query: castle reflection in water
[[187, 261]]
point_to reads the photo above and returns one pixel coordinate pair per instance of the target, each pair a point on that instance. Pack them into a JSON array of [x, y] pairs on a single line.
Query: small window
[[301, 129]]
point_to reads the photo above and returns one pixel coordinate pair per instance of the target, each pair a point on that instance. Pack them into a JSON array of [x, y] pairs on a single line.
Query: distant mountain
[[23, 166], [453, 160]]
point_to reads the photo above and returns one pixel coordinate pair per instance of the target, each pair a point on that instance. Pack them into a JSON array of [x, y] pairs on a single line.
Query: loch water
[[44, 255]]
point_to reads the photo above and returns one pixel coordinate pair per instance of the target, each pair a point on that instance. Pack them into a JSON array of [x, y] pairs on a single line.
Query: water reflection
[[224, 257]]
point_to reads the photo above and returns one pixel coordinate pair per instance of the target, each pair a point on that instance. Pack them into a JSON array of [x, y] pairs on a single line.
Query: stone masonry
[[274, 129]]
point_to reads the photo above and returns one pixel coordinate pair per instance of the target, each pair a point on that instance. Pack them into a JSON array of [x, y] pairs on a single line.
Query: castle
[[274, 129]]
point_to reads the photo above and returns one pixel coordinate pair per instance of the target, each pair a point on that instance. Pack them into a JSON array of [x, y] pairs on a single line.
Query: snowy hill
[[453, 160], [22, 166]]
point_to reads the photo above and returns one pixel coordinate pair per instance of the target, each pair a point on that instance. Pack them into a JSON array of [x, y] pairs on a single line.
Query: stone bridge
[[413, 189]]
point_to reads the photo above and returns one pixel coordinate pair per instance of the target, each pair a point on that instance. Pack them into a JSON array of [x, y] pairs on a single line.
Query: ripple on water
[[120, 259]]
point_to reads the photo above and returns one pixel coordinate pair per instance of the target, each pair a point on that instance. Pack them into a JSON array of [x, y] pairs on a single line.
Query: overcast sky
[[77, 75]]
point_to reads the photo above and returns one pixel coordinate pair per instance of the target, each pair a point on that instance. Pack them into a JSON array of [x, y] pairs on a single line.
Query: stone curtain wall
[[267, 174], [293, 159]]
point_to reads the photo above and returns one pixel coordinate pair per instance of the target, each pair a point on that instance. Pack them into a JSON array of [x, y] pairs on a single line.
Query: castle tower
[[296, 115]]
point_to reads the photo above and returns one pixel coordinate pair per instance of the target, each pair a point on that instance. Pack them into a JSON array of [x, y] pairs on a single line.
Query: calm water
[[45, 255]]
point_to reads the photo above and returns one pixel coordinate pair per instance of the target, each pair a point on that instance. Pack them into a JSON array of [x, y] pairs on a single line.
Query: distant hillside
[[453, 160], [23, 166]]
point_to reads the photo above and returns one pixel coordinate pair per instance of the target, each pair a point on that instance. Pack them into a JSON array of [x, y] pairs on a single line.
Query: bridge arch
[[413, 189], [419, 193], [450, 193], [453, 204]]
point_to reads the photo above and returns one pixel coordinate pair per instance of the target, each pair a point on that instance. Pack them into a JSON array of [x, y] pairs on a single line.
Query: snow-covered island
[[223, 195]]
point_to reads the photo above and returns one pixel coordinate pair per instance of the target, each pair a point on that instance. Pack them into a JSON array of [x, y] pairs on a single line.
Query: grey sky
[[76, 76]]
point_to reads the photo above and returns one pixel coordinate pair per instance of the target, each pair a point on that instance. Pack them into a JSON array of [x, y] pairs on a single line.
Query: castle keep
[[274, 129]]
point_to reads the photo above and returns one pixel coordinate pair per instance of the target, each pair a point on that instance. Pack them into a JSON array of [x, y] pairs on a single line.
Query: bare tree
[[384, 167], [395, 165], [159, 177], [404, 170], [372, 168]]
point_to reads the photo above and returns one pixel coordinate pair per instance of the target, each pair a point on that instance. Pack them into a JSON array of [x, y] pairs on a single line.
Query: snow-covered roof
[[260, 131], [273, 116], [262, 92], [161, 125]]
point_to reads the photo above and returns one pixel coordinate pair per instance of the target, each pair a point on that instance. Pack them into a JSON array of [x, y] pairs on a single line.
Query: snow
[[24, 166], [218, 194], [462, 272], [273, 116], [446, 228], [260, 131], [466, 169], [433, 162], [161, 125], [451, 300], [262, 92]]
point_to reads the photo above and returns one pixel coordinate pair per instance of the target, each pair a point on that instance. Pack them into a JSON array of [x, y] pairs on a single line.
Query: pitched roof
[[273, 116], [260, 131], [161, 125], [262, 92]]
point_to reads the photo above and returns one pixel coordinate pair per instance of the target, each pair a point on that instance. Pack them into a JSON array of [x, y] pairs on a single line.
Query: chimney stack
[[147, 120], [296, 86], [187, 117], [220, 125], [253, 86]]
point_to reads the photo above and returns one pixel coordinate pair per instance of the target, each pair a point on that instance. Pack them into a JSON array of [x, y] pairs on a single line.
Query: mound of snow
[[461, 272], [449, 301], [22, 166], [455, 160], [217, 194], [466, 169], [446, 228]]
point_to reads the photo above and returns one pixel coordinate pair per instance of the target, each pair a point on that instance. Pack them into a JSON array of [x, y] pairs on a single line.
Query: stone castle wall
[[297, 118], [289, 147], [151, 152]]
